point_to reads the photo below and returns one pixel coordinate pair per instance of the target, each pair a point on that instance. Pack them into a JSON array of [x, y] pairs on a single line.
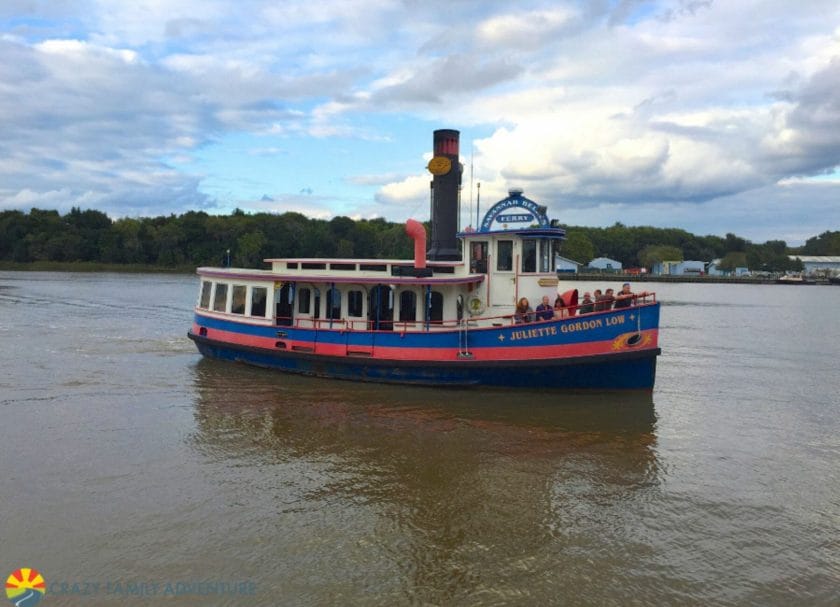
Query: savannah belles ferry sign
[[514, 212]]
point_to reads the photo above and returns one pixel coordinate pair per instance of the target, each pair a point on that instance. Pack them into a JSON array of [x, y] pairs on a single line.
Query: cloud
[[674, 105]]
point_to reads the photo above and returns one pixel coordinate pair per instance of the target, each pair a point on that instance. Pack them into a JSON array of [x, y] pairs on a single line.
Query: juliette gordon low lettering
[[571, 327]]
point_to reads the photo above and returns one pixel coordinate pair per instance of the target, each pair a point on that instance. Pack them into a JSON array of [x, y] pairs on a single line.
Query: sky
[[708, 115]]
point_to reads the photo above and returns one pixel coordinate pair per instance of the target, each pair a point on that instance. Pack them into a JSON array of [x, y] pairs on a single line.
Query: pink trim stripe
[[501, 353]]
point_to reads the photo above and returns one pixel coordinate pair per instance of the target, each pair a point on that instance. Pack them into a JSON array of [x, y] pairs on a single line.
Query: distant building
[[605, 264], [819, 263], [679, 268], [562, 264], [713, 269]]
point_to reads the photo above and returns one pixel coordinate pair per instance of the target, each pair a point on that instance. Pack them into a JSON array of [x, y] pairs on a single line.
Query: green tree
[[827, 243], [578, 247], [249, 249], [654, 254], [732, 260]]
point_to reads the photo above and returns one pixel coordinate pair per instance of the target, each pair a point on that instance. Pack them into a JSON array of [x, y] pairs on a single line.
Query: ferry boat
[[447, 318]]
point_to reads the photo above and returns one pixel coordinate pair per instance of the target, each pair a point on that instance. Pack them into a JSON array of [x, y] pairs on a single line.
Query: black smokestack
[[446, 186]]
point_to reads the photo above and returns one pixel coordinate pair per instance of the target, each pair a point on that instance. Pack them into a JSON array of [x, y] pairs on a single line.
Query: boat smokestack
[[416, 231], [446, 186]]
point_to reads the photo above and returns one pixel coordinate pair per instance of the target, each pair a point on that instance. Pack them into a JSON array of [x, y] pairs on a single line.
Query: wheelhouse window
[[478, 257], [206, 288], [408, 306], [504, 255], [354, 303], [436, 307], [545, 255], [237, 305], [259, 295], [333, 304], [303, 297], [529, 255]]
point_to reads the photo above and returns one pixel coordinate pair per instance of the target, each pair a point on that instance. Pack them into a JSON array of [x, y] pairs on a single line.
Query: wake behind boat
[[439, 319]]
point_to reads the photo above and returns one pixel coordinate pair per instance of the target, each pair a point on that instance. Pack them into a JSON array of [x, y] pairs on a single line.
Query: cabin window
[[206, 288], [504, 255], [373, 267], [436, 307], [381, 308], [237, 305], [333, 303], [259, 295], [354, 303], [220, 297], [316, 313], [545, 255], [284, 304], [529, 255], [303, 296], [408, 306]]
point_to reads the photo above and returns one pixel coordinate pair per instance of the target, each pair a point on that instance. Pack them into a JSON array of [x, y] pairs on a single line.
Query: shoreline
[[92, 266], [85, 266], [620, 276]]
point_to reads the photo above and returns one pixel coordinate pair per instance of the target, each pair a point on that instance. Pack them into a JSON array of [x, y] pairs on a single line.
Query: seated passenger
[[586, 304], [523, 312], [544, 310]]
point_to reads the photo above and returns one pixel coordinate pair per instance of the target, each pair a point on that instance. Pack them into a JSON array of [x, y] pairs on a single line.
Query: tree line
[[197, 238]]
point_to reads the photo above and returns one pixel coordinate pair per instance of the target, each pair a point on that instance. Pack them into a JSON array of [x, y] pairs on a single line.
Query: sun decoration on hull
[[631, 340]]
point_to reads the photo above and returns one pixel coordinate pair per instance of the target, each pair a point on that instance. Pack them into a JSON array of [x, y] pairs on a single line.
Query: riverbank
[[621, 277], [92, 266]]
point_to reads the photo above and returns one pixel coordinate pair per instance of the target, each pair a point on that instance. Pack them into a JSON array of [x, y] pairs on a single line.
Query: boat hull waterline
[[614, 350]]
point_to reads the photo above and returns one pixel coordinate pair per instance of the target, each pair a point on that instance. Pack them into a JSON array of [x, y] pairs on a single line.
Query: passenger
[[560, 309], [544, 310], [599, 300], [586, 304], [608, 300], [523, 312], [625, 297]]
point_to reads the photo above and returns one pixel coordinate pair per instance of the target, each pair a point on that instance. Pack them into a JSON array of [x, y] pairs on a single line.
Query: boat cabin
[[509, 256]]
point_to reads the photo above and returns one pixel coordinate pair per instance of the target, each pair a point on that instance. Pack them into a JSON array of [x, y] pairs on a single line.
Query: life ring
[[475, 306]]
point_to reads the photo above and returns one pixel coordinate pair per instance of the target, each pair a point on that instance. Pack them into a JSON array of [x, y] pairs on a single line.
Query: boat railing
[[401, 326]]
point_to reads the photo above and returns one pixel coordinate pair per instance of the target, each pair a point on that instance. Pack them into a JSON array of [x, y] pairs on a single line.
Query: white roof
[[817, 258]]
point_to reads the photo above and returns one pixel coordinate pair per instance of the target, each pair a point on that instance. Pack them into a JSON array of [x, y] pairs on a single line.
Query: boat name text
[[570, 327]]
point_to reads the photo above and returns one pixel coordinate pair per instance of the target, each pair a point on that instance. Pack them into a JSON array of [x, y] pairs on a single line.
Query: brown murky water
[[133, 471]]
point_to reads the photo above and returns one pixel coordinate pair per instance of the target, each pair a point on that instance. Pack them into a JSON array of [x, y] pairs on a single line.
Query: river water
[[135, 471]]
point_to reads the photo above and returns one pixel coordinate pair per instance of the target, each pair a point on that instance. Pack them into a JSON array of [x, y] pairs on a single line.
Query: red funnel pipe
[[416, 230]]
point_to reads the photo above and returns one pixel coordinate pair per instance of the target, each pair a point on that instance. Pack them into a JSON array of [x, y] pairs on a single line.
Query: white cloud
[[591, 108]]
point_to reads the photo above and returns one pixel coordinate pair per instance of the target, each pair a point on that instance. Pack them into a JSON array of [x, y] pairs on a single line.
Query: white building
[[814, 264], [605, 264], [679, 268], [563, 264], [713, 269]]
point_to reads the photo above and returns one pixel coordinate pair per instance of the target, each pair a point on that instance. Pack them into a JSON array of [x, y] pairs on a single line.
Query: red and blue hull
[[613, 350]]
